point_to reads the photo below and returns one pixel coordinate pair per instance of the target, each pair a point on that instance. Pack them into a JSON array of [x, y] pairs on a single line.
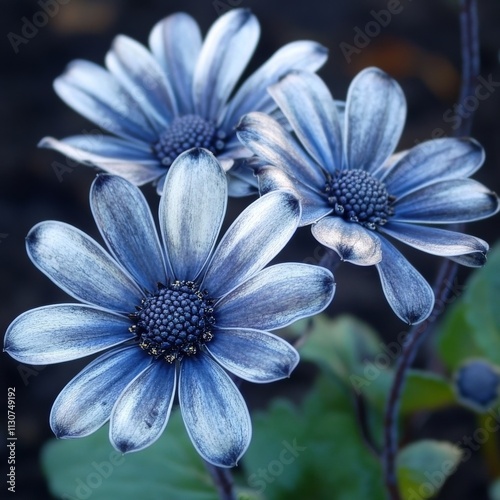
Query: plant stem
[[447, 272], [223, 481]]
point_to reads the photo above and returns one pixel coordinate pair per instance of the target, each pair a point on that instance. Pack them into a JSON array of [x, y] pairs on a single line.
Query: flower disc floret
[[174, 322], [186, 132], [357, 197]]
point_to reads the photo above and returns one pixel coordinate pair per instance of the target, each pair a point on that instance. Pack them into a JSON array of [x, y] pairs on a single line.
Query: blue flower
[[176, 96], [355, 194], [173, 313]]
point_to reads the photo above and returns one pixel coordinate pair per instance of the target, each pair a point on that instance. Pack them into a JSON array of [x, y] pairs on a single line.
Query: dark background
[[420, 47]]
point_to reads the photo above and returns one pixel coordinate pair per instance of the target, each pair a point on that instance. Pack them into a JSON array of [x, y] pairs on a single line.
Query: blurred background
[[419, 46]]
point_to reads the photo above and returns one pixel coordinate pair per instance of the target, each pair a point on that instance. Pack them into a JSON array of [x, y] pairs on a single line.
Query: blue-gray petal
[[276, 297], [456, 200], [255, 237], [433, 161], [253, 355], [253, 96], [131, 164], [141, 413], [123, 217], [227, 48], [177, 59], [267, 139], [85, 404], [375, 116], [314, 205], [81, 267], [192, 209], [95, 93], [309, 107], [62, 332], [352, 242], [214, 411], [407, 292], [140, 74], [435, 241], [473, 259]]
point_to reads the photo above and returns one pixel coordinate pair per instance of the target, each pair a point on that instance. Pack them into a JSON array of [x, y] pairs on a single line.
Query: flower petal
[[254, 238], [141, 413], [190, 214], [94, 93], [474, 259], [352, 242], [85, 404], [227, 48], [314, 206], [435, 241], [407, 292], [127, 162], [126, 225], [142, 77], [81, 267], [62, 332], [457, 200], [375, 116], [267, 139], [309, 107], [276, 297], [177, 58], [253, 96], [253, 355], [214, 411], [433, 161]]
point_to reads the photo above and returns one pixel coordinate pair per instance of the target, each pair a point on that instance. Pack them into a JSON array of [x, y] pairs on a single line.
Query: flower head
[[175, 96], [174, 313], [355, 194]]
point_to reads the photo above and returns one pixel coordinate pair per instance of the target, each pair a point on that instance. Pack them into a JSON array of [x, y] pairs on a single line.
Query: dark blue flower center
[[186, 132], [174, 322], [357, 197]]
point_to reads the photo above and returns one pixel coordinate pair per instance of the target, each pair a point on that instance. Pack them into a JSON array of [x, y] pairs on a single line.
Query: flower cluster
[[179, 315]]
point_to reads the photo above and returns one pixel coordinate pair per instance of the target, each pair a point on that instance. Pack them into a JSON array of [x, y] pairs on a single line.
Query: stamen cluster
[[176, 321], [357, 197]]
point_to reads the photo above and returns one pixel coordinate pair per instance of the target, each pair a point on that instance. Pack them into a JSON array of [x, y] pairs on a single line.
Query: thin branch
[[470, 70]]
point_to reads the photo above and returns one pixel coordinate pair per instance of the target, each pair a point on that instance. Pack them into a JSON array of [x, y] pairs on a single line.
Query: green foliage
[[424, 466], [314, 451], [90, 467], [353, 351], [472, 327]]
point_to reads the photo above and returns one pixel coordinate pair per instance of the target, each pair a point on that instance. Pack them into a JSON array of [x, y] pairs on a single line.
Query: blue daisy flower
[[356, 193], [178, 95], [172, 313]]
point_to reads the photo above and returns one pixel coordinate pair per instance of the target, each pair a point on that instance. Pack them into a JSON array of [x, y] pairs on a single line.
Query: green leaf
[[482, 299], [340, 345], [426, 391], [312, 451], [424, 466], [472, 327], [91, 467], [456, 340]]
